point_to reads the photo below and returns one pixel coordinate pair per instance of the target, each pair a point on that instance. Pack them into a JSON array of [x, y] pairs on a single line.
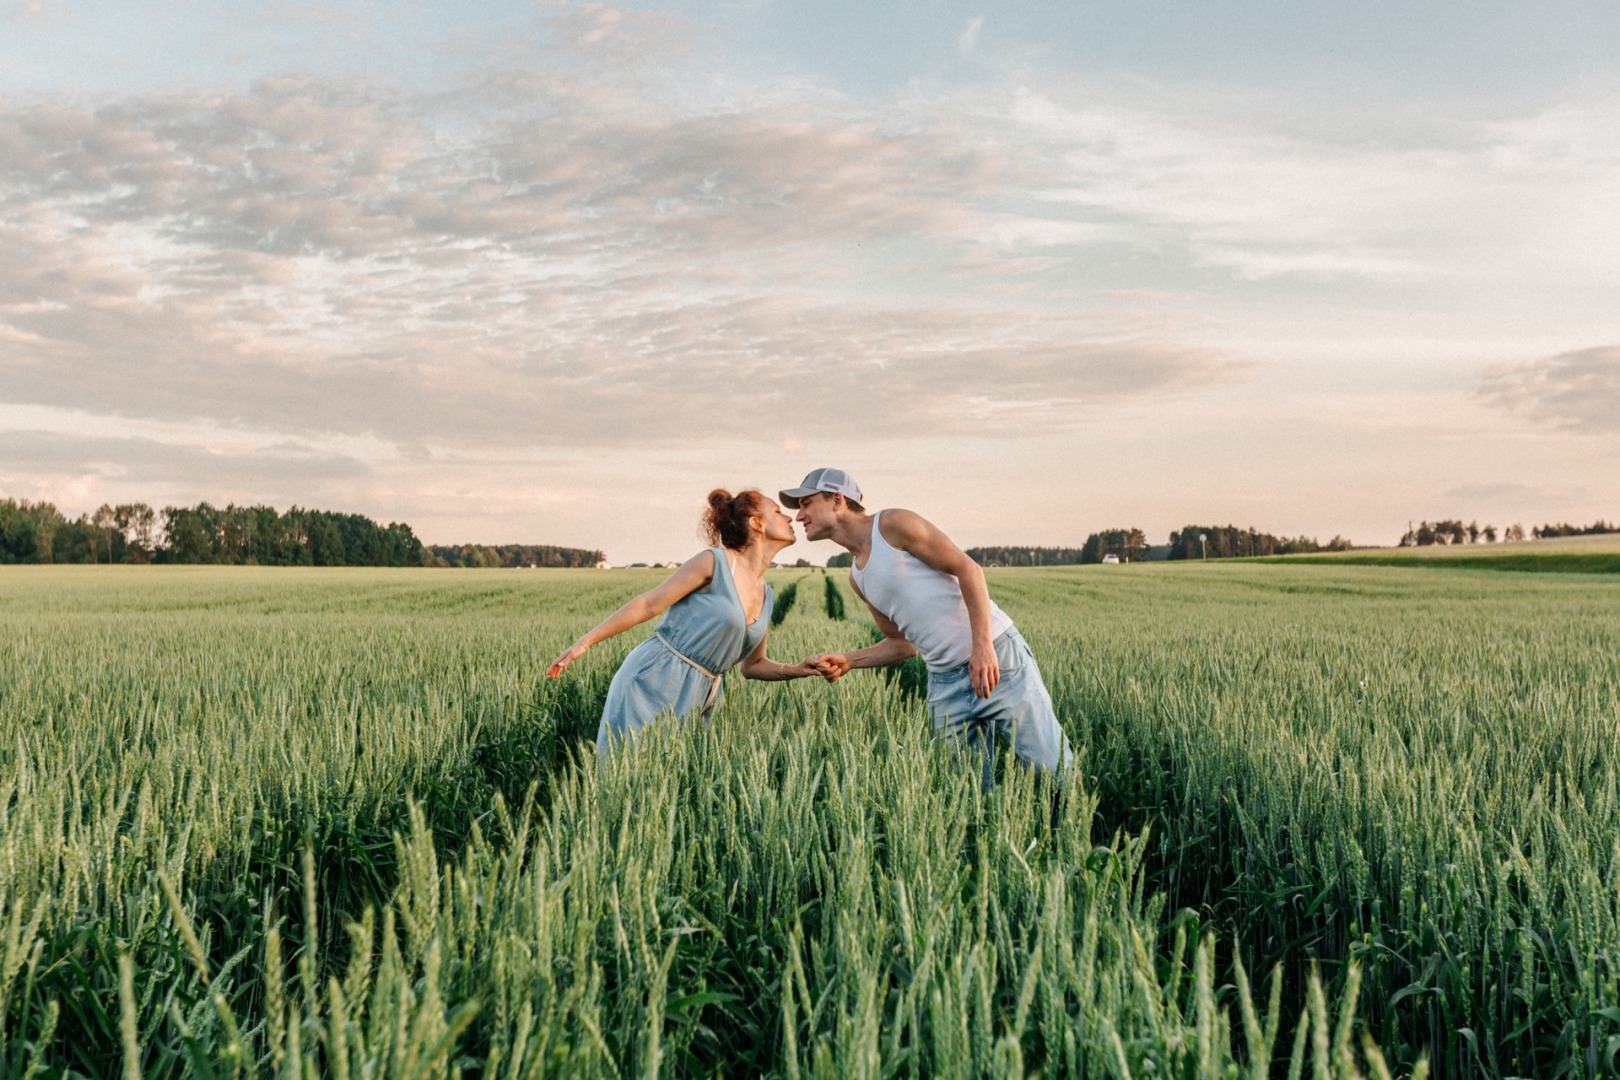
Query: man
[[928, 597]]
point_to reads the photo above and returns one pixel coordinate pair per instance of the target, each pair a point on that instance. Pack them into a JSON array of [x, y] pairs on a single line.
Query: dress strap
[[722, 565]]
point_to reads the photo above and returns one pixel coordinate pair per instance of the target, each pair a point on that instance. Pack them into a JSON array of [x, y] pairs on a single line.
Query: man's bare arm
[[891, 650], [914, 534]]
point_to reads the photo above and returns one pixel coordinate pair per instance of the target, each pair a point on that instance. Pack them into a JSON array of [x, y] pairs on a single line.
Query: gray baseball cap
[[832, 481]]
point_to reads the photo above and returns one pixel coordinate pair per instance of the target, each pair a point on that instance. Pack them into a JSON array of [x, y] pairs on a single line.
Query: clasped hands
[[984, 669], [830, 666]]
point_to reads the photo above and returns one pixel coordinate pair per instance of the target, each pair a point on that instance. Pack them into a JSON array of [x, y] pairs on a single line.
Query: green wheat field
[[1329, 820]]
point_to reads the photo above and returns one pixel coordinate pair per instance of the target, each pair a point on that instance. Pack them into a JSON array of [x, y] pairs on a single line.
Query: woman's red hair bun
[[726, 522]]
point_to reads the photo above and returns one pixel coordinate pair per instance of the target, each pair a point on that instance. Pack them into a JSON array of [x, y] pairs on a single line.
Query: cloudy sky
[[548, 272]]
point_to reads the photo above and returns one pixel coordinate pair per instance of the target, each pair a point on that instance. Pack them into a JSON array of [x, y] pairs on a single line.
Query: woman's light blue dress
[[708, 627]]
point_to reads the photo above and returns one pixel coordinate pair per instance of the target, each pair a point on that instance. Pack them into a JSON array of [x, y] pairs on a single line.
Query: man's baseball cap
[[832, 481]]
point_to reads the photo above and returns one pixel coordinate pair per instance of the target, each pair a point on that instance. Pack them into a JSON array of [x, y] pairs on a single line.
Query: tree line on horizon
[[1131, 545], [135, 533], [1025, 556], [1453, 531], [512, 556], [1231, 542], [36, 532], [1597, 528]]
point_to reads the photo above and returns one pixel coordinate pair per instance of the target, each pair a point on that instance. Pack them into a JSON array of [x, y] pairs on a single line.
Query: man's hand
[[984, 670], [830, 666]]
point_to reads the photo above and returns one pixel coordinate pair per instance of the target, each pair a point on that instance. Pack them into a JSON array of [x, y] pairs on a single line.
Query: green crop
[[784, 603], [300, 822], [835, 599], [1416, 771]]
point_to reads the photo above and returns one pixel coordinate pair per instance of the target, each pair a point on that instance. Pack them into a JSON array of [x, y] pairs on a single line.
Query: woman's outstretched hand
[[569, 655]]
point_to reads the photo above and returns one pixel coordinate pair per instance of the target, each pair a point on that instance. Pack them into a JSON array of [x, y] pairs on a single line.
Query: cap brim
[[790, 498]]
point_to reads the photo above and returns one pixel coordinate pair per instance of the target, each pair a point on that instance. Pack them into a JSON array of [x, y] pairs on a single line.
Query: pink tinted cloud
[[314, 258], [1575, 391]]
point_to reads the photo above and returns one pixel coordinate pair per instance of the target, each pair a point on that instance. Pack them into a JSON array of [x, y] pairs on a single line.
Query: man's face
[[817, 514]]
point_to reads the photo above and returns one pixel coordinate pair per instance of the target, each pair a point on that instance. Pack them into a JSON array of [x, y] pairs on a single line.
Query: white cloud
[[45, 453], [312, 259], [1264, 198], [34, 11], [1575, 391], [968, 40]]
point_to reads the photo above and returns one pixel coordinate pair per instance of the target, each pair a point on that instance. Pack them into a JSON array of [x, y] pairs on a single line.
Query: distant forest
[[1452, 531], [1544, 532], [233, 535], [1026, 556], [1131, 545], [1231, 542], [512, 555], [36, 532], [1426, 533]]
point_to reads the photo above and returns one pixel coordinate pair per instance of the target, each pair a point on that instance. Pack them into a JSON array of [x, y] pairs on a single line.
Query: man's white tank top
[[925, 604]]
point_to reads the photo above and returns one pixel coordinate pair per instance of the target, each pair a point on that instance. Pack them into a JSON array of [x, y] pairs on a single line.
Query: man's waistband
[[1001, 642]]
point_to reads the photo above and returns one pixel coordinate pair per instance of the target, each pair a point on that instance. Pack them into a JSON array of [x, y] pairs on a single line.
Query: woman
[[718, 612]]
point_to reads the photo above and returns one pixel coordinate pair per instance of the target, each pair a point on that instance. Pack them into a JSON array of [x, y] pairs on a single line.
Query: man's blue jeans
[[1019, 707]]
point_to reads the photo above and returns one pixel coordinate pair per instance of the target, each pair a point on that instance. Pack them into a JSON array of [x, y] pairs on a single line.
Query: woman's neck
[[756, 557]]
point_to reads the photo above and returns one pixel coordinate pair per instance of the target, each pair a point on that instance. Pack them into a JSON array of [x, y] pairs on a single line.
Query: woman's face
[[776, 524]]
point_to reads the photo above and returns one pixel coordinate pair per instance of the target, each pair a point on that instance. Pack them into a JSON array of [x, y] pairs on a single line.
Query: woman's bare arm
[[692, 575], [756, 665]]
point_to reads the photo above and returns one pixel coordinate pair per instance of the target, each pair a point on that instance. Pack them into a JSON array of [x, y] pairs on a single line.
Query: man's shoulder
[[901, 527]]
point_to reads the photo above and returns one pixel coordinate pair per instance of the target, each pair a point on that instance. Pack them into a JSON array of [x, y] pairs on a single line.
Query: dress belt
[[714, 685]]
